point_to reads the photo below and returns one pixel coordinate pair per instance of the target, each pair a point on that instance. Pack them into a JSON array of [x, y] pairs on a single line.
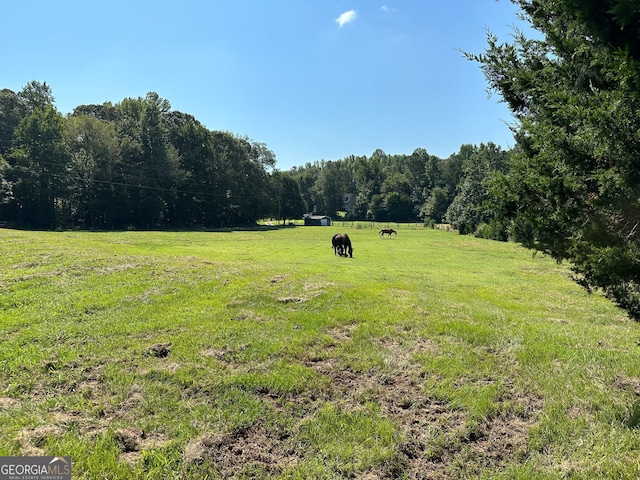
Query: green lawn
[[261, 354]]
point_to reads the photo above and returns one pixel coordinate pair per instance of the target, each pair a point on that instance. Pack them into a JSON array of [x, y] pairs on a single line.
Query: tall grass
[[262, 354]]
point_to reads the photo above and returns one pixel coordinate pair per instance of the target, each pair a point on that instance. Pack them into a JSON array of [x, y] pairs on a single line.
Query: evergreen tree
[[573, 189]]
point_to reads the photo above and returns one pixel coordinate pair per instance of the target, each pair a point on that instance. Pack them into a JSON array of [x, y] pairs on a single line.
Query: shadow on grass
[[631, 418]]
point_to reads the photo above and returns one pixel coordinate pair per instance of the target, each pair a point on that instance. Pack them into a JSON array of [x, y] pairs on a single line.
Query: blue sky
[[312, 79]]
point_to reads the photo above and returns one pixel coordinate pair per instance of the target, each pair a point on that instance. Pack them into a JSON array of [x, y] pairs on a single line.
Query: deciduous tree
[[467, 210]]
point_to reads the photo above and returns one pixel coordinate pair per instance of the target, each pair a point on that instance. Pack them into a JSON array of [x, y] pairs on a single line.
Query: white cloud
[[346, 17], [386, 9]]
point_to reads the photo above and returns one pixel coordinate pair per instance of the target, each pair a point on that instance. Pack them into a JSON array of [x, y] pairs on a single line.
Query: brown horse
[[342, 245], [387, 231]]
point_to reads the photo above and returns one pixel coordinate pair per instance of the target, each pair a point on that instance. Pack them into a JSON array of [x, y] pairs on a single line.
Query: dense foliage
[[402, 187], [573, 188], [133, 164], [139, 164]]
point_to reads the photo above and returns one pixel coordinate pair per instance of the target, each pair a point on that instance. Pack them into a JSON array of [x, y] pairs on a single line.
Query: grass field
[[261, 354]]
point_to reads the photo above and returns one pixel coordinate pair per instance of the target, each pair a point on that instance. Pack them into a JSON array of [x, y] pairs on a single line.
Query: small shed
[[317, 220]]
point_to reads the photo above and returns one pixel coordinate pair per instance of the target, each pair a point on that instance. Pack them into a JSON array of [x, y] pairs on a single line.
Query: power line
[[29, 170], [120, 184]]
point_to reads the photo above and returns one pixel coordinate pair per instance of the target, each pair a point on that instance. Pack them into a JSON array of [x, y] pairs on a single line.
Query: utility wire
[[120, 184]]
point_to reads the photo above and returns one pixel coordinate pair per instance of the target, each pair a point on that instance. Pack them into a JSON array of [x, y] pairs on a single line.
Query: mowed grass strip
[[259, 353]]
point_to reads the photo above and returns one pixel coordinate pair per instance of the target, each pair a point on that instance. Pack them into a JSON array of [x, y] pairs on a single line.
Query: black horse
[[387, 231], [336, 244], [342, 245]]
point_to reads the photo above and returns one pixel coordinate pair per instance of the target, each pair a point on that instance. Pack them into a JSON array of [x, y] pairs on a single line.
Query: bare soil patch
[[159, 350], [133, 441], [437, 438], [242, 452], [33, 440], [311, 290], [8, 403]]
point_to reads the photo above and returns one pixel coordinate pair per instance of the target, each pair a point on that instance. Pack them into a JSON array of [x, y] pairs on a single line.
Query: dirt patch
[[249, 316], [133, 441], [132, 401], [245, 451], [34, 440], [627, 383], [311, 290], [301, 299], [343, 333], [277, 279], [317, 287], [119, 267], [437, 438], [159, 350], [8, 403], [227, 355]]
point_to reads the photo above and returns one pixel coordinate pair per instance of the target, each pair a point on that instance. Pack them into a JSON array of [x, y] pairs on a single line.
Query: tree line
[[406, 188], [135, 163], [139, 164]]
